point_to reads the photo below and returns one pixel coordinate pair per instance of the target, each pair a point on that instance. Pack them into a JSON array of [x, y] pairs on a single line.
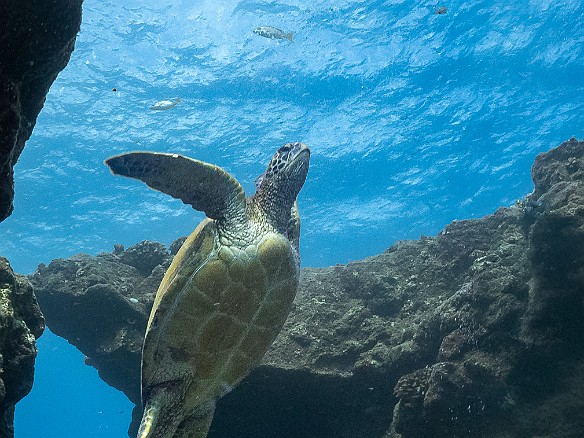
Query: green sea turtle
[[229, 289]]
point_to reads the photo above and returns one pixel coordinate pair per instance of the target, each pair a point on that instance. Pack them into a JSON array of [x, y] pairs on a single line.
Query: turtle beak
[[291, 152], [299, 160]]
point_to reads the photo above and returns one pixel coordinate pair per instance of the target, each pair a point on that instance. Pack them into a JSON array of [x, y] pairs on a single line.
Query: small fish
[[441, 10], [273, 33], [164, 105]]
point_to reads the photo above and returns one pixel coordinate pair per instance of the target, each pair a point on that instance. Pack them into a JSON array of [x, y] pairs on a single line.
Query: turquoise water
[[414, 119]]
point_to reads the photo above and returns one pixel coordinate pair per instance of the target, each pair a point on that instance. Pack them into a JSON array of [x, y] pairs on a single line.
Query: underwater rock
[[37, 40], [144, 256], [21, 323], [101, 305], [475, 332]]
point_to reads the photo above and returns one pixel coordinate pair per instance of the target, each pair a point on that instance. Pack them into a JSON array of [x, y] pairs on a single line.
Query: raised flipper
[[206, 187]]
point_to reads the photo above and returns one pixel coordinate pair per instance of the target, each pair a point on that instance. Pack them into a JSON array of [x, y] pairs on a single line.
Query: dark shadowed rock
[[21, 323], [475, 332], [36, 41]]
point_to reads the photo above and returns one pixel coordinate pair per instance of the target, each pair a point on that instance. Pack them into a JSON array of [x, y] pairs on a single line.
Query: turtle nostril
[[295, 148]]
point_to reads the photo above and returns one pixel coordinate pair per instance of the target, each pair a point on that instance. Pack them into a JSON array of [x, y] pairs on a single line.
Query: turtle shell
[[217, 310]]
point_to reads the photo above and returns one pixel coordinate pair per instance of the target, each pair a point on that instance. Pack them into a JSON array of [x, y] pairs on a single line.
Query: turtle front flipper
[[206, 187]]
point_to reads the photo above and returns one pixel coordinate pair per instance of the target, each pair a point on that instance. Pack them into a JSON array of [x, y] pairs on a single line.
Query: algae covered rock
[[21, 323], [144, 256], [516, 342]]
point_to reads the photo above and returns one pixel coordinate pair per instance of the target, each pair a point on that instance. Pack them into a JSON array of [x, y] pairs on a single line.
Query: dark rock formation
[[21, 323], [475, 332], [36, 41]]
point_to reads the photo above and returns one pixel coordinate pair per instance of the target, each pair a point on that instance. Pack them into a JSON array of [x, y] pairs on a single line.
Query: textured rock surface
[[21, 323], [36, 41], [475, 332]]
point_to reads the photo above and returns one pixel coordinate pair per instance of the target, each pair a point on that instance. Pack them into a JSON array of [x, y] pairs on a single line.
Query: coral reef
[[37, 40], [21, 323], [475, 332]]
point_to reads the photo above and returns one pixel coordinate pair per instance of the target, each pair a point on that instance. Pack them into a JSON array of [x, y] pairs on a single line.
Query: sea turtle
[[229, 289]]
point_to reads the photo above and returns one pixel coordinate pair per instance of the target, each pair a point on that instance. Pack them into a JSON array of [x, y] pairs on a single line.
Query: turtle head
[[278, 187]]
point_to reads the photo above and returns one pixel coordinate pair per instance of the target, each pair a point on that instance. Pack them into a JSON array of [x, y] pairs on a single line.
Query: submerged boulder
[[37, 38], [475, 332], [21, 323]]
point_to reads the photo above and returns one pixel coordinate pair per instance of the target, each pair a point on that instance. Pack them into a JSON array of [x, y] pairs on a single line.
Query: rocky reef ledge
[[475, 332], [36, 41], [21, 323]]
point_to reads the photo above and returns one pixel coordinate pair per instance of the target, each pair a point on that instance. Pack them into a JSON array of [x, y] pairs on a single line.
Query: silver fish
[[164, 105], [273, 33]]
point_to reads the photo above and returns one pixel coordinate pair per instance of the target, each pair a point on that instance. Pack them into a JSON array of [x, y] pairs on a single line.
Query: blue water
[[414, 119]]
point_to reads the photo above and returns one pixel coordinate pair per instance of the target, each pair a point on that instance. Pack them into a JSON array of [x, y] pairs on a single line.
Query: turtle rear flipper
[[196, 425], [160, 421], [206, 187]]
